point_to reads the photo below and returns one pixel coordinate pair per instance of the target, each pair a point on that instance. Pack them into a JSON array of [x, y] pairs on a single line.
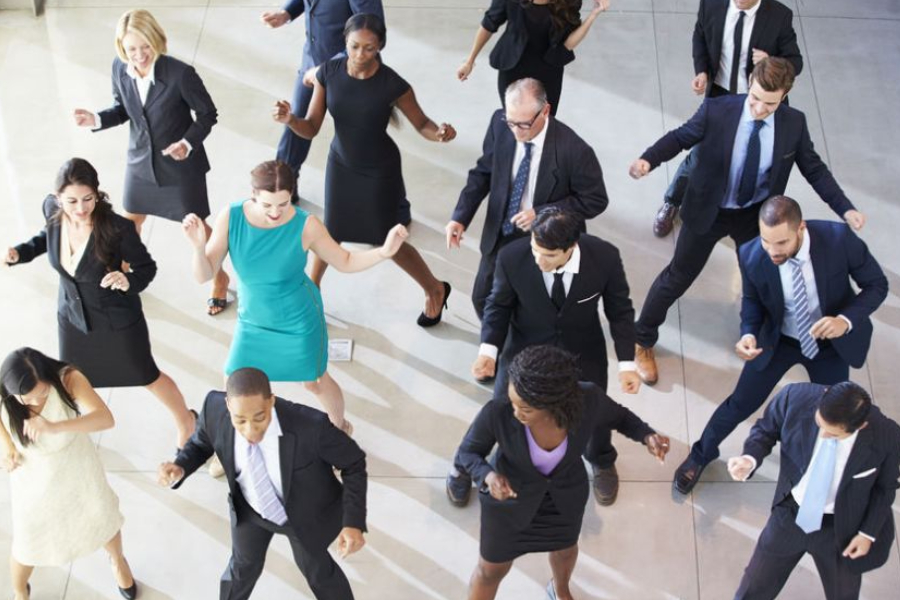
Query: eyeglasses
[[523, 125]]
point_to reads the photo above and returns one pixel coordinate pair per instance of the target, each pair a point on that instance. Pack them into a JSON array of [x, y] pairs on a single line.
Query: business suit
[[862, 504], [569, 176], [518, 54], [324, 20], [101, 331], [165, 118], [318, 506], [773, 33], [503, 522], [711, 132], [837, 256]]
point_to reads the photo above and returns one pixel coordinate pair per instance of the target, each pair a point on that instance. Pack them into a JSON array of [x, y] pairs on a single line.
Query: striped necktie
[[270, 507], [808, 345]]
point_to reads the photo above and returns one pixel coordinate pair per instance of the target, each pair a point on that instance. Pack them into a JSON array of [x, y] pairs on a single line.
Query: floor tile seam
[[808, 67]]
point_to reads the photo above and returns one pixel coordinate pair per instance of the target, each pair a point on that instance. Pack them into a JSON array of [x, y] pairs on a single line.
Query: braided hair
[[546, 378]]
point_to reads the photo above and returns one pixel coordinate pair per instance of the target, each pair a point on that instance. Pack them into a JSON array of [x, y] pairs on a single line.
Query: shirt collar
[[150, 78], [747, 117], [574, 263], [750, 11], [847, 441], [803, 253]]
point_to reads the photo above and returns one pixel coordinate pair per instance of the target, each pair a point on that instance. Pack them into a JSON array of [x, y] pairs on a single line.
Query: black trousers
[[754, 387], [250, 537], [484, 278], [692, 250], [780, 547]]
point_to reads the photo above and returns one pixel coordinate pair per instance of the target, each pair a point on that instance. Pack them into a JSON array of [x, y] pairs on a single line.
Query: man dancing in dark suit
[[280, 470], [529, 160], [798, 308], [838, 479]]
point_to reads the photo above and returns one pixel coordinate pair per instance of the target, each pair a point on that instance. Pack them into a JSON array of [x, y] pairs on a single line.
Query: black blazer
[[869, 483], [519, 311], [712, 130], [837, 256], [569, 176], [163, 120], [508, 50], [773, 33], [567, 484], [316, 503], [82, 302]]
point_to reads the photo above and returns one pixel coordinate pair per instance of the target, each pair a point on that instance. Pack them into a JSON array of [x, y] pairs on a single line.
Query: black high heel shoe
[[426, 321], [129, 593]]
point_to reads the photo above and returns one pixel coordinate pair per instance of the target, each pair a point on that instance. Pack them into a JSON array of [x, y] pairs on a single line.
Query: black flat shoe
[[129, 593], [426, 321]]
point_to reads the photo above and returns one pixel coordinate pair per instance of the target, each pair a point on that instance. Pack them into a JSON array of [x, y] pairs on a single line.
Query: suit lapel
[[83, 262], [226, 446], [286, 444], [159, 83], [732, 122], [535, 285], [546, 179], [717, 31], [505, 155], [759, 25], [858, 458], [809, 437], [773, 278], [778, 146], [817, 257]]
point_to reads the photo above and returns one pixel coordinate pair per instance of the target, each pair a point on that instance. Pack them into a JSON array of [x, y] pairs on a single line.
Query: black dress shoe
[[687, 475], [665, 219], [129, 593], [426, 321], [459, 488]]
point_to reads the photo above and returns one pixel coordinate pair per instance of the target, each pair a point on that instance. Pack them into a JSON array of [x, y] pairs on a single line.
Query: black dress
[[101, 331], [547, 513], [364, 191]]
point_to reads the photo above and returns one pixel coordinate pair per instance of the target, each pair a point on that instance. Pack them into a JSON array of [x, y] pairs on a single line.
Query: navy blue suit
[[325, 20], [711, 132], [837, 256], [863, 502]]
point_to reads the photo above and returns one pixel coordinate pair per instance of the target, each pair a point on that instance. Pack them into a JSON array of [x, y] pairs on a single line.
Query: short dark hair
[[845, 404], [556, 229], [248, 382], [546, 378], [369, 22], [272, 176], [781, 209], [774, 74]]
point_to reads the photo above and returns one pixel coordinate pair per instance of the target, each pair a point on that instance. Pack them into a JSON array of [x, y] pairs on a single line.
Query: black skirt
[[172, 202], [548, 531], [110, 357]]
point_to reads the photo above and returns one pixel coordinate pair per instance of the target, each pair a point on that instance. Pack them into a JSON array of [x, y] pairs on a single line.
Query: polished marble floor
[[409, 391]]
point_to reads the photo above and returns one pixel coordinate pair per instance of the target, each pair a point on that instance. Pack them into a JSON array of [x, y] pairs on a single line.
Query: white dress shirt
[[269, 446], [537, 151], [723, 76], [568, 270]]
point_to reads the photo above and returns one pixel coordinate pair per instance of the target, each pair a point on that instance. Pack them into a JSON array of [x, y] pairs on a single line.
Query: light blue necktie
[[518, 190], [270, 507], [808, 345], [821, 472]]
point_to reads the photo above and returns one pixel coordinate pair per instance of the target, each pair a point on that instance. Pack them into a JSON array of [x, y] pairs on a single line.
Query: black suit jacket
[[508, 50], [869, 483], [567, 484], [316, 503], [82, 302], [519, 311], [773, 33], [712, 130], [569, 176], [837, 256], [163, 120]]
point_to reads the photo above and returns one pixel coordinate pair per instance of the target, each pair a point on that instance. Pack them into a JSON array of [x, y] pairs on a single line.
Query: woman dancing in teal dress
[[281, 322]]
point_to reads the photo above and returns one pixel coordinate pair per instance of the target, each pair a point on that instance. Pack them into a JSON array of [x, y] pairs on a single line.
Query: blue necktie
[[270, 507], [518, 190], [747, 186], [821, 472], [808, 346]]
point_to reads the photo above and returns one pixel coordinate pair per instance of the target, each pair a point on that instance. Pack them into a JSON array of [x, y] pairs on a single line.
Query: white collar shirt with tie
[[271, 456], [723, 76], [786, 272], [537, 151]]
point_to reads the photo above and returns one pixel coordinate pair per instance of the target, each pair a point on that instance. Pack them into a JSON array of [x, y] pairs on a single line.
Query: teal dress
[[281, 324]]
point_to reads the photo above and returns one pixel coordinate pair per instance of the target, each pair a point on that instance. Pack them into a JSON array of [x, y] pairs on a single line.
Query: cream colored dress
[[62, 505]]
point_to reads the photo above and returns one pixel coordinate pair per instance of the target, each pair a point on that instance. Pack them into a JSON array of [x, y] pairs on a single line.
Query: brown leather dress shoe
[[687, 475], [645, 360], [665, 219], [606, 485]]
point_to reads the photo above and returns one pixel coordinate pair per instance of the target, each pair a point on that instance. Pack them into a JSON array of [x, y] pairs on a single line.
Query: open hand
[[350, 540]]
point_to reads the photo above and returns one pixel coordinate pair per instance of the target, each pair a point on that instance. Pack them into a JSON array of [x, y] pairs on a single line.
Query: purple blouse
[[545, 460]]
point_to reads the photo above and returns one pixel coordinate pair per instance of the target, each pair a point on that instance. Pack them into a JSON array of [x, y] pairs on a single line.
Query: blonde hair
[[141, 22]]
